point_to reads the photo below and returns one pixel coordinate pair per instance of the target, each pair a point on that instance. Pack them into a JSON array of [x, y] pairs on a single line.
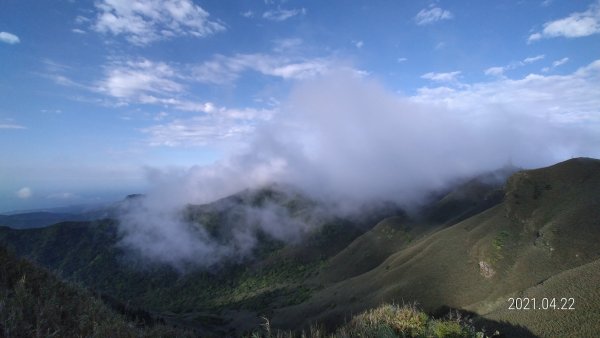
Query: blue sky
[[92, 93]]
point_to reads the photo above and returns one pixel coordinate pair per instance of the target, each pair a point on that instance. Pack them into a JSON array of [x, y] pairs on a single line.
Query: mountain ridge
[[469, 249]]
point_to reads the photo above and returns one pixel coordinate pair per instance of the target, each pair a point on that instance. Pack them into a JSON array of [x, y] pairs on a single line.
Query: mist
[[344, 141]]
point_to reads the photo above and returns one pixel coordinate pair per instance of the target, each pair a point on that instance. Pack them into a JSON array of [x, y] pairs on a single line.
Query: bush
[[387, 320]]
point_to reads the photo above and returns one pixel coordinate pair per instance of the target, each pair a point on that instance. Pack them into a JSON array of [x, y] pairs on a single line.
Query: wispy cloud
[[575, 25], [280, 14], [248, 14], [555, 64], [560, 62], [495, 71], [145, 21], [61, 74], [499, 70], [9, 38], [131, 80], [534, 58], [441, 77], [573, 97], [431, 15], [11, 126], [221, 124], [287, 45], [226, 69]]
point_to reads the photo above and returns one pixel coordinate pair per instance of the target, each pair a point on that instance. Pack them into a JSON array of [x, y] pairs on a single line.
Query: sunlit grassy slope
[[548, 223]]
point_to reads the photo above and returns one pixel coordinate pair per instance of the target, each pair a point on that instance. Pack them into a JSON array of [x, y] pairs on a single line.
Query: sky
[[96, 96]]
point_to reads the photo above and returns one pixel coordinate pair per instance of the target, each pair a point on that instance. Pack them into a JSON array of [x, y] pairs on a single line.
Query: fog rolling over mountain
[[344, 141], [468, 250]]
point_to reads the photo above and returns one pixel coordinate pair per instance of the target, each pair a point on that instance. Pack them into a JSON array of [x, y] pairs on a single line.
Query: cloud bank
[[346, 140]]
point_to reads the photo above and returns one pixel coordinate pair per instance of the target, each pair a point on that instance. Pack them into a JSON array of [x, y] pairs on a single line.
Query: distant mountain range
[[471, 249], [26, 219]]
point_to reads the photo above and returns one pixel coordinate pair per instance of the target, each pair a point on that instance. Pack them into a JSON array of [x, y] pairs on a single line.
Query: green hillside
[[548, 223], [34, 303], [470, 249]]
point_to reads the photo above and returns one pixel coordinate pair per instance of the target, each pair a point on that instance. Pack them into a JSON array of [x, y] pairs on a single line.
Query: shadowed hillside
[[34, 303]]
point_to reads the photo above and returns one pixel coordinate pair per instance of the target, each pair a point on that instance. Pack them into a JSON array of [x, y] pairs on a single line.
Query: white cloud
[[9, 38], [400, 60], [11, 126], [78, 31], [441, 77], [345, 139], [283, 14], [431, 15], [575, 25], [495, 71], [221, 124], [248, 14], [146, 21], [563, 98], [80, 19], [560, 62], [534, 58], [499, 70], [161, 116], [24, 193], [439, 45], [224, 70], [286, 45], [555, 64], [132, 80], [359, 44]]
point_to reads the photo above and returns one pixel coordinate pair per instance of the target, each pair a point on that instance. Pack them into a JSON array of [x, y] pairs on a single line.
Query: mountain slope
[[469, 249], [548, 223], [38, 219], [558, 319], [34, 303]]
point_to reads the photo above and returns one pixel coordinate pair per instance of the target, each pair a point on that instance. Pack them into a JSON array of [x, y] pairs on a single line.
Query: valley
[[535, 234]]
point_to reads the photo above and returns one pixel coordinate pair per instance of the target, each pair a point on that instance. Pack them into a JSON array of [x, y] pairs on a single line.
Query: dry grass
[[386, 320]]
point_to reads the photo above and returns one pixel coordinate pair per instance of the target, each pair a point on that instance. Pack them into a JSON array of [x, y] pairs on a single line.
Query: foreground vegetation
[[388, 320]]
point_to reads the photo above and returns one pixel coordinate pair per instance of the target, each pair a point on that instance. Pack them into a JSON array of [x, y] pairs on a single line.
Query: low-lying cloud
[[346, 140]]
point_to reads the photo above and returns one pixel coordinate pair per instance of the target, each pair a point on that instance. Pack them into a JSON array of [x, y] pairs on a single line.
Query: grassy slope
[[548, 223], [581, 283], [392, 234]]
